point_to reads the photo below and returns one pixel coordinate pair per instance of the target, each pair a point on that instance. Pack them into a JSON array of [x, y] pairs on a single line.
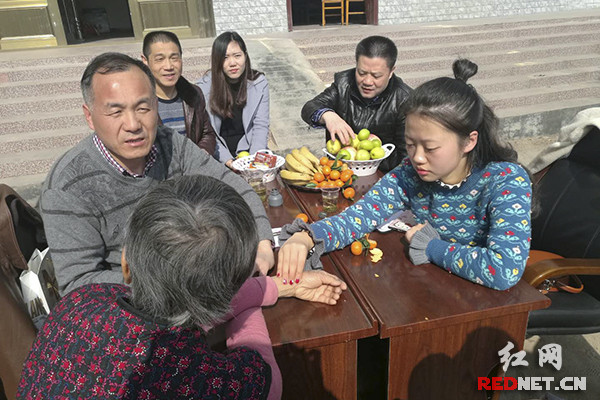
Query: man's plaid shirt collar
[[151, 159]]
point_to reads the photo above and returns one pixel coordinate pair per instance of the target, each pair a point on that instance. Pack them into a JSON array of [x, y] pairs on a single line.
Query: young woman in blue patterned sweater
[[472, 201]]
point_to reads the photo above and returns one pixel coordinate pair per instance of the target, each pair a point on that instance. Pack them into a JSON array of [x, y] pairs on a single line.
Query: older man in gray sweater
[[90, 192]]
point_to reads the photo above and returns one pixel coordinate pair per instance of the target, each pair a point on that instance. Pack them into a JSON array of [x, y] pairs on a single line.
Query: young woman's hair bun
[[464, 69]]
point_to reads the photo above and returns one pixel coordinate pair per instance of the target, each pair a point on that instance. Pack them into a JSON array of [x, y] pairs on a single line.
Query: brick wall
[[393, 12], [250, 17]]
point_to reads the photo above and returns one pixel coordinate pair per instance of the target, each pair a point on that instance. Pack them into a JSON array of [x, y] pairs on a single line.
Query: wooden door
[[30, 23], [185, 18]]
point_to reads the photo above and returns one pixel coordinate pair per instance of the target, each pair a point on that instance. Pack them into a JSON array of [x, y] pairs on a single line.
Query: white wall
[[250, 17]]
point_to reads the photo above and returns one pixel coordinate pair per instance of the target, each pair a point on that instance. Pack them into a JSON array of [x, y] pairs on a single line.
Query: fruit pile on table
[[302, 168], [362, 147]]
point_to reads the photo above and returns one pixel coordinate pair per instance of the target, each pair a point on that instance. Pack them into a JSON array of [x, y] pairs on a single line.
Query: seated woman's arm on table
[[382, 201], [498, 263]]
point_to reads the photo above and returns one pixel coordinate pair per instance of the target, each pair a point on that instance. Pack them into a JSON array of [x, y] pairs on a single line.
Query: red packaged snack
[[265, 159]]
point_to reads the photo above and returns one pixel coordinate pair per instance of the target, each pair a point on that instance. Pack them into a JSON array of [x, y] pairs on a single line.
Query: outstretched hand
[[338, 127], [317, 286]]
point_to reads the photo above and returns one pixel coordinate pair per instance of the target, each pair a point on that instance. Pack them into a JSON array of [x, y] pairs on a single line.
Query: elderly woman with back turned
[[190, 247]]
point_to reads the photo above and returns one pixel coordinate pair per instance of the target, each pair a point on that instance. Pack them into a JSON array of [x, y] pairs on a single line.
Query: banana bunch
[[300, 166]]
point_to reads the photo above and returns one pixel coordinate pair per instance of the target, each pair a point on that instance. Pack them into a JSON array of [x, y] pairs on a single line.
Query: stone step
[[496, 78], [54, 57], [535, 71], [485, 55], [32, 155], [19, 107], [531, 96], [500, 77], [437, 44], [31, 142], [30, 167], [454, 27], [415, 75], [200, 55], [533, 120], [24, 89], [42, 135], [74, 71], [42, 122]]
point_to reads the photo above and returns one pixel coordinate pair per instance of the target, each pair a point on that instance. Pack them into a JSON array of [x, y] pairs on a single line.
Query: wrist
[[307, 239], [325, 116], [283, 290]]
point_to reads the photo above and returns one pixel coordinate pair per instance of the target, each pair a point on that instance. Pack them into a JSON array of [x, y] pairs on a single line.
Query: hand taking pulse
[[337, 127], [292, 257]]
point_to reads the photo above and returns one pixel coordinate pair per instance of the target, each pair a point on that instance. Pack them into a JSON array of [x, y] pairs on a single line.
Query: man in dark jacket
[[181, 105], [368, 96]]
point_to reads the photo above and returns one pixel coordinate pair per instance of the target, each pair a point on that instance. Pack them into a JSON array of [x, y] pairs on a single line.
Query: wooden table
[[443, 331], [316, 344]]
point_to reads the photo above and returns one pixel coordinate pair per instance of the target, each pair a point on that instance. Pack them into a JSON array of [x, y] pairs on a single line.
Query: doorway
[[308, 12], [91, 20]]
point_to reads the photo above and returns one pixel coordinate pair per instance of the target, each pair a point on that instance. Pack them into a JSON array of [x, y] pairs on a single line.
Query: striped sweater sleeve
[[385, 198]]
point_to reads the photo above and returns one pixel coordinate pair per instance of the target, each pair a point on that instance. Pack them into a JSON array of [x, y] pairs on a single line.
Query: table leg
[[327, 372]]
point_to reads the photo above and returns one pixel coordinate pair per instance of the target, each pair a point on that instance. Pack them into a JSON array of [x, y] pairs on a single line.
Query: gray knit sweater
[[85, 204]]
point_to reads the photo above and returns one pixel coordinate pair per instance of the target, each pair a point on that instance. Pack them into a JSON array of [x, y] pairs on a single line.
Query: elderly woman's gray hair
[[190, 244]]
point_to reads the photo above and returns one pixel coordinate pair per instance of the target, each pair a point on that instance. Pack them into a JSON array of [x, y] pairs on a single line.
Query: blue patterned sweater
[[484, 224]]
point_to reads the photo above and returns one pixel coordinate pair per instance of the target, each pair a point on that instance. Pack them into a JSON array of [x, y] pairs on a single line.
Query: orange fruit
[[372, 243], [339, 183], [356, 248], [345, 167], [349, 193], [323, 160], [345, 175], [303, 217], [336, 164], [334, 175], [319, 177], [326, 170], [330, 163], [327, 184]]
